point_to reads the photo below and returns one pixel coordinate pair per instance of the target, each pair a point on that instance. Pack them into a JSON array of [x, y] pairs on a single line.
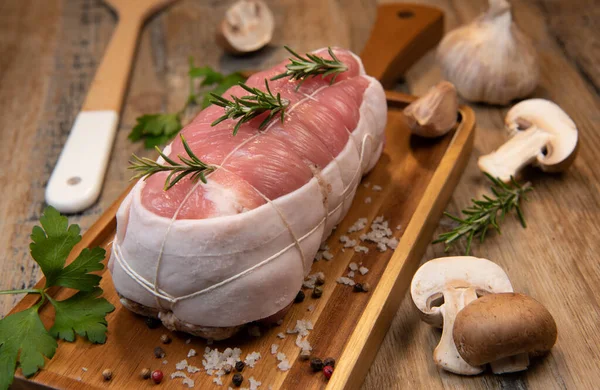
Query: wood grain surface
[[48, 54]]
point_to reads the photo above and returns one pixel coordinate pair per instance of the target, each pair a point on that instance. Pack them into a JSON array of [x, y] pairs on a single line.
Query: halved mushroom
[[504, 330], [542, 135], [248, 26], [433, 114], [442, 287]]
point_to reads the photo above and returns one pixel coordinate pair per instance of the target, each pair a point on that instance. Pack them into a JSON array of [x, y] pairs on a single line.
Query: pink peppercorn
[[327, 371], [157, 376]]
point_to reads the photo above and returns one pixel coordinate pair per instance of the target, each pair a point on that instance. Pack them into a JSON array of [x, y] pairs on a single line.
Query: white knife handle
[[76, 181]]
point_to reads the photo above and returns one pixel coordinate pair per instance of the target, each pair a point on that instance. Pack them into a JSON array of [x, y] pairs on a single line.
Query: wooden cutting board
[[416, 176]]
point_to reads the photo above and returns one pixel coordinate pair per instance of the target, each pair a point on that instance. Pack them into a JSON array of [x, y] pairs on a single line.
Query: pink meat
[[272, 162]]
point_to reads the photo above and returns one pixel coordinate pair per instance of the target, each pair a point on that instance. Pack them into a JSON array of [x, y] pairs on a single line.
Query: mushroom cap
[[550, 118], [248, 26], [496, 326], [434, 276]]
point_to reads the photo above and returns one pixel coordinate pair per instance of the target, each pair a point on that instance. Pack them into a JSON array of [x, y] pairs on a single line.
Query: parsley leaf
[[52, 243], [159, 129], [24, 332], [83, 313], [156, 129], [76, 275]]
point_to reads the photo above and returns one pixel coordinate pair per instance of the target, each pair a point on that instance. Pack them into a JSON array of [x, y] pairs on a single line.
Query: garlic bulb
[[490, 60]]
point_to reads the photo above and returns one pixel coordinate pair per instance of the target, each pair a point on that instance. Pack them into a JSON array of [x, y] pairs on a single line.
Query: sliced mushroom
[[542, 135], [504, 330], [442, 287], [248, 26], [433, 114]]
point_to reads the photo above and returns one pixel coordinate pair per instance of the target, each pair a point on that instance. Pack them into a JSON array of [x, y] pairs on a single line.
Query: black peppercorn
[[316, 364], [317, 292], [239, 366], [159, 353], [152, 323], [358, 287], [237, 380], [329, 362], [299, 297]]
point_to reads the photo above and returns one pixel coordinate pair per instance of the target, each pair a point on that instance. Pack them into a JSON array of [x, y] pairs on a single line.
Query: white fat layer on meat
[[223, 198], [198, 254]]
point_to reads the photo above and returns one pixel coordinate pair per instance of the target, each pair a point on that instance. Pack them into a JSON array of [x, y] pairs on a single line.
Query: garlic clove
[[490, 60], [247, 27], [434, 114]]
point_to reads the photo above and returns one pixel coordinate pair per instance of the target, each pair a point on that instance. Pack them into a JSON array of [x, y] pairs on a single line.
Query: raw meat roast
[[209, 258]]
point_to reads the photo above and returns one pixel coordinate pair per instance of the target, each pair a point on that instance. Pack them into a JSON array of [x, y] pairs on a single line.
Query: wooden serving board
[[417, 177]]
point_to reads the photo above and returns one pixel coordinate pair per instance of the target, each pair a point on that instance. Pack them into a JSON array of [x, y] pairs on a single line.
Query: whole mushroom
[[247, 27], [541, 133], [442, 287], [504, 330]]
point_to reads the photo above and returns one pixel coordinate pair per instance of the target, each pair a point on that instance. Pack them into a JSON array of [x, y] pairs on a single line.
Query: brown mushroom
[[505, 330], [247, 27], [433, 114]]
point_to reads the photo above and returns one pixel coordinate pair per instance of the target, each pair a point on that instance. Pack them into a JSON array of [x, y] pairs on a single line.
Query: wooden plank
[[554, 259]]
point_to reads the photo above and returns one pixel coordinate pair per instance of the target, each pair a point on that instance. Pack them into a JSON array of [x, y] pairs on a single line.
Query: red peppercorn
[[327, 371], [157, 376]]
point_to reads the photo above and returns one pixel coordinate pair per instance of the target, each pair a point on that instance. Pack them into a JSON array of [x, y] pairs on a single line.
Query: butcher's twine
[[154, 289]]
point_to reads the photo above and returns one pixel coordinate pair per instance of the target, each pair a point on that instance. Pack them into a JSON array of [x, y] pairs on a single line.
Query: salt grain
[[363, 270], [178, 374], [353, 266], [346, 281], [398, 227], [327, 255], [181, 365], [254, 384], [350, 274], [191, 353], [280, 356], [284, 365], [360, 248], [281, 335], [252, 358], [165, 361], [84, 369], [188, 341], [274, 348], [367, 184], [377, 188], [310, 307], [218, 381], [360, 224], [192, 369], [368, 200], [188, 382]]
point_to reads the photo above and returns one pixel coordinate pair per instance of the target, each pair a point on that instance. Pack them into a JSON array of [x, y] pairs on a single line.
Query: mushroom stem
[[523, 149], [509, 364], [445, 354]]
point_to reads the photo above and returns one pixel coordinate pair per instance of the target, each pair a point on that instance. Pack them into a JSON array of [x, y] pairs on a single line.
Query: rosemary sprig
[[250, 106], [191, 165], [484, 213], [301, 68]]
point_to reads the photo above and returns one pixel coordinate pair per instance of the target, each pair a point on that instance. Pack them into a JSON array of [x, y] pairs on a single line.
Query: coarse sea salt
[[189, 382], [252, 358], [191, 353], [327, 255], [274, 348], [181, 365], [360, 248], [254, 384], [360, 224], [363, 270], [377, 188], [353, 266], [350, 274], [281, 335], [346, 281], [368, 200]]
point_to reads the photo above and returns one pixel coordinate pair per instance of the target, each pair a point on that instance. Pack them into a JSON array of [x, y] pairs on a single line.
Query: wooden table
[[49, 51]]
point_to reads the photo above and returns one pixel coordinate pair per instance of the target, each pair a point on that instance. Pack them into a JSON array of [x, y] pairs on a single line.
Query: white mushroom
[[442, 287], [542, 135], [248, 26]]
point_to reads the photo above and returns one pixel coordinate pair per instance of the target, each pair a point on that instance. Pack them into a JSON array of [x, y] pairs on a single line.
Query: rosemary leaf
[[484, 213], [190, 166], [248, 107], [301, 68]]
